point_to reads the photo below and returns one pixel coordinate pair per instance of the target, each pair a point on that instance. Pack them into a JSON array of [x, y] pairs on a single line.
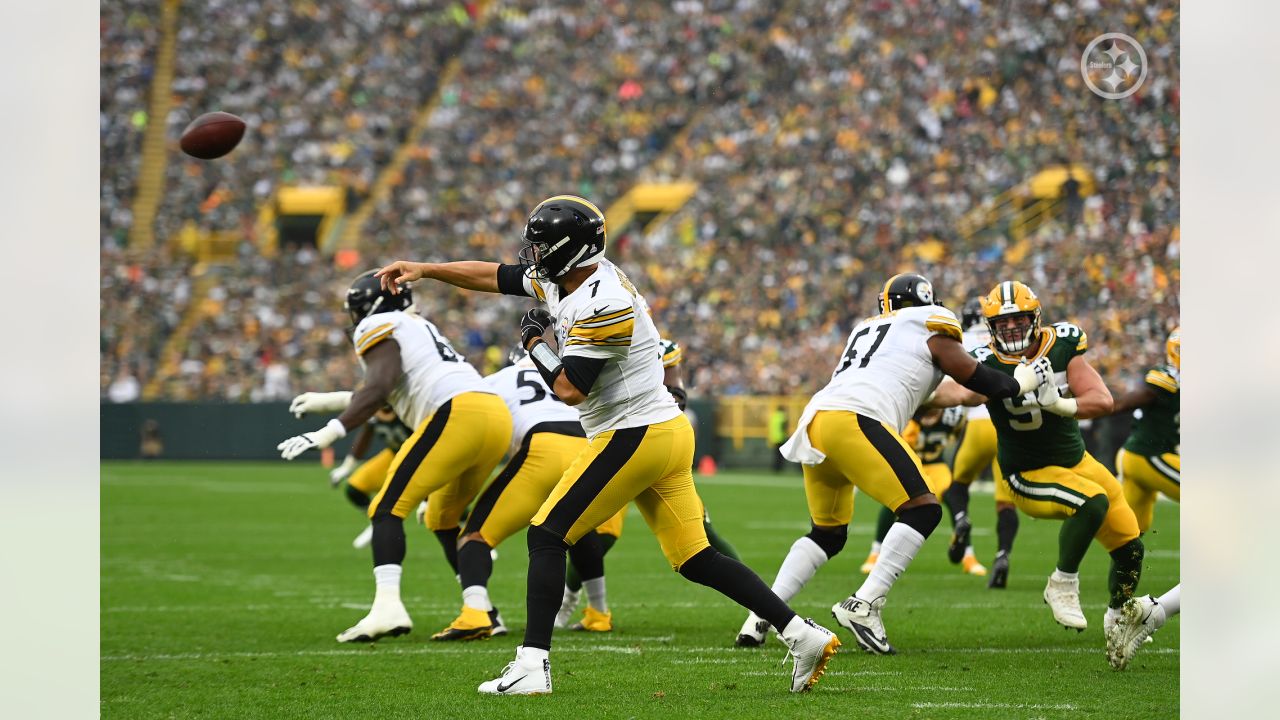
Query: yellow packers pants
[[977, 451], [860, 452], [1144, 478], [448, 458], [1055, 493], [372, 473], [651, 464], [938, 477], [509, 502]]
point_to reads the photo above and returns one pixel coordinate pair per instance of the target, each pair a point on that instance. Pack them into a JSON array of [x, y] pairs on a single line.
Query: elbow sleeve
[[995, 385], [582, 371]]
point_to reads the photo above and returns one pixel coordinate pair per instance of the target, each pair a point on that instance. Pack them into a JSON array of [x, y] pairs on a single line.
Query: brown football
[[212, 135]]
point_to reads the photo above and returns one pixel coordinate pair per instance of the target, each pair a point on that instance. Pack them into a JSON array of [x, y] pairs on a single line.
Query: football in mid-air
[[212, 135]]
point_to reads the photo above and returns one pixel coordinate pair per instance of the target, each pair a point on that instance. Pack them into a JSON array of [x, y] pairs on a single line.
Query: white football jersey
[[531, 402], [432, 372], [974, 338], [887, 370], [606, 318]]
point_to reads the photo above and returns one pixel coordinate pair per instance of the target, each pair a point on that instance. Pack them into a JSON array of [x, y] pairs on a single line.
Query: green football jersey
[[393, 432], [1156, 428], [934, 437], [1028, 437]]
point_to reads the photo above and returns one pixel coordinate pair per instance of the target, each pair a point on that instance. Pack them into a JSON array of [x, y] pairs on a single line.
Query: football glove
[[310, 402], [533, 325], [1032, 375], [1049, 397], [343, 471], [319, 439]]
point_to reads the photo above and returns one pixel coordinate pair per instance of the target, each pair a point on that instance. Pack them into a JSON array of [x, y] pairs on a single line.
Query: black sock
[[475, 564], [1078, 531], [449, 542], [1126, 571], [738, 583], [543, 591], [719, 543], [388, 540], [357, 498], [884, 521], [1006, 529], [587, 557], [572, 579], [956, 499]]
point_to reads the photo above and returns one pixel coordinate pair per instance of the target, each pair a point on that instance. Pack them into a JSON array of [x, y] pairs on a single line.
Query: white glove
[[1034, 374], [310, 402], [421, 513], [320, 439], [1048, 394], [343, 471]]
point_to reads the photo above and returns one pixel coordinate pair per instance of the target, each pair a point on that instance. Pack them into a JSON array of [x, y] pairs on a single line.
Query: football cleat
[[971, 566], [1139, 617], [810, 646], [499, 627], [363, 539], [862, 618], [526, 675], [752, 632], [568, 606], [999, 572], [472, 624], [593, 621], [959, 540], [870, 563], [388, 619], [1063, 598]]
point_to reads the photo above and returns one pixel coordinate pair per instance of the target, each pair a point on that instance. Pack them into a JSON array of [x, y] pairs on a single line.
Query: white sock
[[1064, 576], [968, 552], [595, 594], [1171, 601], [386, 580], [896, 552], [477, 596], [875, 546], [798, 568], [794, 626], [533, 655]]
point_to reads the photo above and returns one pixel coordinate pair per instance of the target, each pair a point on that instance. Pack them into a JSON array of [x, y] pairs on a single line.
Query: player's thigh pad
[[671, 506], [372, 473], [938, 477], [1121, 524], [870, 455], [510, 501], [977, 450], [1157, 473], [613, 526], [1051, 492]]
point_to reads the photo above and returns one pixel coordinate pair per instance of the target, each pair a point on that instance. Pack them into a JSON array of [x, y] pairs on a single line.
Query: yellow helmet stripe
[[884, 294]]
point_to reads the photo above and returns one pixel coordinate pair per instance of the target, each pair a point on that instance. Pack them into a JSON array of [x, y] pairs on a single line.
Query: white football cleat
[[363, 539], [1063, 598], [568, 607], [526, 675], [862, 618], [499, 627], [811, 647], [752, 632], [1139, 617], [386, 619]]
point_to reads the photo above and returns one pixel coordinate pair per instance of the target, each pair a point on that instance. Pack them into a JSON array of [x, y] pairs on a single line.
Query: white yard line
[[991, 706]]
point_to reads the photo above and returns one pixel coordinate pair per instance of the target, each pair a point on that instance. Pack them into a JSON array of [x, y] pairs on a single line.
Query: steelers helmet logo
[[925, 291]]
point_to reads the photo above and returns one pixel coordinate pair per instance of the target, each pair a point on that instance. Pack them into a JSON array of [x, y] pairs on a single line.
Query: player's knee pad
[[831, 540], [542, 539], [357, 497], [922, 518]]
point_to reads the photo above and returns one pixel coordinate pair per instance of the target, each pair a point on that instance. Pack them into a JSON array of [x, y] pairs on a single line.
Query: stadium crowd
[[832, 148]]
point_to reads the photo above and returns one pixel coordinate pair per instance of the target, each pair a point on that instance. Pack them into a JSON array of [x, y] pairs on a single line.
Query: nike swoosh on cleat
[[868, 638], [503, 687]]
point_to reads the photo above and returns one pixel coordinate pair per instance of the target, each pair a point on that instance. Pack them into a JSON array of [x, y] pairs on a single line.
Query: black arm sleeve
[[582, 371], [511, 280], [995, 385]]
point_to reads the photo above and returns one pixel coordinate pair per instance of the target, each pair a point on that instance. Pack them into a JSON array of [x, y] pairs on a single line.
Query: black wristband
[[511, 280], [995, 385], [681, 397]]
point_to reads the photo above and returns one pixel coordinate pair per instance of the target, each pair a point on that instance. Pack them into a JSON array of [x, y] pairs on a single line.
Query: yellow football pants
[[1055, 493], [938, 477], [448, 458], [1144, 478], [860, 452], [372, 473], [613, 526], [977, 451], [509, 502], [650, 464]]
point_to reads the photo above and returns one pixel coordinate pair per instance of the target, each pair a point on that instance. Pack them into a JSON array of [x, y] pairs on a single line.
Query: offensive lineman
[[850, 435], [461, 430], [640, 446], [364, 479]]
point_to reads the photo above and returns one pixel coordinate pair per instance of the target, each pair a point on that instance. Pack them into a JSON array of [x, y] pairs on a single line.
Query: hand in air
[[400, 272]]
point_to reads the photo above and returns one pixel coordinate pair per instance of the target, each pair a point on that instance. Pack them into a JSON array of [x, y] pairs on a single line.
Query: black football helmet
[[905, 290], [516, 354], [972, 313], [562, 233], [366, 297]]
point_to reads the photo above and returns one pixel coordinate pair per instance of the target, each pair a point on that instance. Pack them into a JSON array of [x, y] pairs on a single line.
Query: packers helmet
[[905, 290], [1011, 301], [971, 314], [366, 297], [1173, 348], [562, 233]]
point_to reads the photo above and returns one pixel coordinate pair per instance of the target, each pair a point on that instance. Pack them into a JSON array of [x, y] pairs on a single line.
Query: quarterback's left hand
[[533, 325], [319, 439]]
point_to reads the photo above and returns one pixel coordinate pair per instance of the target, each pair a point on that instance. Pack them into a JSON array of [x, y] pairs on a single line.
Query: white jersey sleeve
[[529, 399], [432, 372], [974, 338]]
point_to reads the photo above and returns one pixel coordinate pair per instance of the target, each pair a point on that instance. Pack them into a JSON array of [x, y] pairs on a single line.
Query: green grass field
[[223, 585]]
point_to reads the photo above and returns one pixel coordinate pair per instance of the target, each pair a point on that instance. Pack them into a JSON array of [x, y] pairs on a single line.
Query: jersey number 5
[[528, 378], [1034, 418], [851, 352]]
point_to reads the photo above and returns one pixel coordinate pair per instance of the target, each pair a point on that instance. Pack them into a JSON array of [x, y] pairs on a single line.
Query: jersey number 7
[[851, 352]]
